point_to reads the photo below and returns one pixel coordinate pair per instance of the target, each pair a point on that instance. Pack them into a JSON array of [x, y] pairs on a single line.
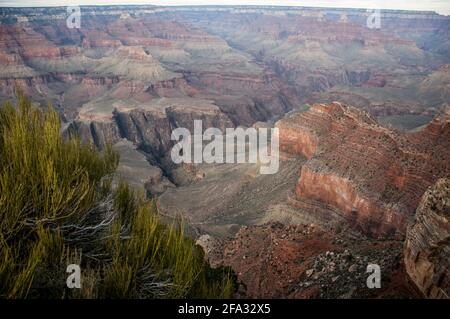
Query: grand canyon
[[363, 115]]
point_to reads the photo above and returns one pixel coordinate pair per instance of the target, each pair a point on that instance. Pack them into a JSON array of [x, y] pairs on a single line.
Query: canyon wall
[[427, 246]]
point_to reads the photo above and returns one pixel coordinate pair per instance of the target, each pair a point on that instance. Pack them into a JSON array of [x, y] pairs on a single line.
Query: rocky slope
[[427, 246], [304, 261]]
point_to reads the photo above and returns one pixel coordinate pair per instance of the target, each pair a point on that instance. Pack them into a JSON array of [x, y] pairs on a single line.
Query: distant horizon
[[439, 6]]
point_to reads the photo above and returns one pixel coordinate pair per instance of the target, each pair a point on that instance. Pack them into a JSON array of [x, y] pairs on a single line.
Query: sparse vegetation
[[58, 207]]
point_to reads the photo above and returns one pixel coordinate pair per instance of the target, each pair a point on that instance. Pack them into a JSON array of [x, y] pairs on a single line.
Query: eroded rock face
[[427, 246], [370, 174]]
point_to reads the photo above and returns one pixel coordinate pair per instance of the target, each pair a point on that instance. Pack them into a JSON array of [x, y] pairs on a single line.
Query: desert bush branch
[[58, 207]]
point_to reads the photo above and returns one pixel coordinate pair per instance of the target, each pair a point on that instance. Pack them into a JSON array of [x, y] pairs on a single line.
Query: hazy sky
[[441, 6]]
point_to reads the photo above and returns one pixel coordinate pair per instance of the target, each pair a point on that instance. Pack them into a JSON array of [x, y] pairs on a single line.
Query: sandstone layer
[[427, 246]]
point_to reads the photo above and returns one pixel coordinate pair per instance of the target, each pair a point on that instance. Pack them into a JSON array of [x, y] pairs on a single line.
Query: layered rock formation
[[427, 246], [357, 168], [255, 63], [134, 57], [148, 126]]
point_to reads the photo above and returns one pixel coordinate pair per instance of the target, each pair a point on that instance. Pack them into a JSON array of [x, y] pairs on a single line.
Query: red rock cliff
[[367, 173]]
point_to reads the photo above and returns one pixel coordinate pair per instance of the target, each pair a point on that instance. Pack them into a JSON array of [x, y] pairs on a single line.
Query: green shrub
[[57, 207]]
